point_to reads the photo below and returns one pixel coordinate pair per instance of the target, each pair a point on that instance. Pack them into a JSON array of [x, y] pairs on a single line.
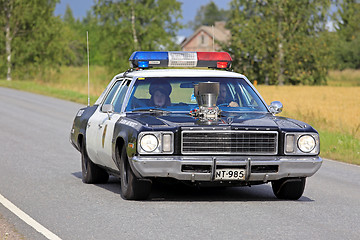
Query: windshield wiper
[[151, 110]]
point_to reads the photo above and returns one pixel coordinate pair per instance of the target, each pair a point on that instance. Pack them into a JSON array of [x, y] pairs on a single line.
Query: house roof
[[219, 31]]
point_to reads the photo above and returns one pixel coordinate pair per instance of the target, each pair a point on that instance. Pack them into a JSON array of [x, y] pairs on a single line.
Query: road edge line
[[27, 219]]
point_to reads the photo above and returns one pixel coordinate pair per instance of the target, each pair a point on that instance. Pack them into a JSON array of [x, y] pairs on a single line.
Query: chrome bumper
[[171, 166]]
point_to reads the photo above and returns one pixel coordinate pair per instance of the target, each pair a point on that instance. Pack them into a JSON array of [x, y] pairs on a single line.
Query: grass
[[76, 79], [340, 146], [68, 84], [333, 110], [347, 77], [48, 90]]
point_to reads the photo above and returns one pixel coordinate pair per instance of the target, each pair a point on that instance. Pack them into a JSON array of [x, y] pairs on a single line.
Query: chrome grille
[[230, 142]]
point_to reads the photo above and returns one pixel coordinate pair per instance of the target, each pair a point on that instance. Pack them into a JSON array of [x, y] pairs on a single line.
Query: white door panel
[[105, 137], [99, 135], [91, 136]]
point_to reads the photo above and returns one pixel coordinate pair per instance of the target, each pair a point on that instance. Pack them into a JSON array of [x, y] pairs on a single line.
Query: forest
[[279, 42]]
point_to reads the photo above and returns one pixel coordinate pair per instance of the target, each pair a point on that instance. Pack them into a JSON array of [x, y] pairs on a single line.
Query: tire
[[132, 188], [289, 188], [91, 173]]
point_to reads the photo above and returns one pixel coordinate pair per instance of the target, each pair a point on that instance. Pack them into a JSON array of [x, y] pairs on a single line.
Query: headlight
[[302, 143], [155, 142], [149, 143], [306, 143]]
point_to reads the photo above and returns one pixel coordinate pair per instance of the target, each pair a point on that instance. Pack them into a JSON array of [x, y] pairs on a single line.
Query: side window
[[112, 92], [235, 95], [250, 97], [119, 98]]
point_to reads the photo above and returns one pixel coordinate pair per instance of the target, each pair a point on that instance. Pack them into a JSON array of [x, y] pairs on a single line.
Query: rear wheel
[[132, 188], [90, 172], [289, 188]]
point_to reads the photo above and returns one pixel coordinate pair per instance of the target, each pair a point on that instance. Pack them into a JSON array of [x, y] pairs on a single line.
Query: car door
[[106, 135], [101, 125]]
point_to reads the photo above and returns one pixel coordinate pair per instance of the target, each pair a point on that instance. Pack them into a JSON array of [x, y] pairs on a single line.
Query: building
[[202, 39]]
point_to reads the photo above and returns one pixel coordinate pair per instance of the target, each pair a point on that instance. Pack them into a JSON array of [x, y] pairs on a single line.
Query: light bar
[[182, 59], [220, 60]]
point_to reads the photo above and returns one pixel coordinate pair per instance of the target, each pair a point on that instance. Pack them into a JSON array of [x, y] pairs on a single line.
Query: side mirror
[[108, 108], [276, 107]]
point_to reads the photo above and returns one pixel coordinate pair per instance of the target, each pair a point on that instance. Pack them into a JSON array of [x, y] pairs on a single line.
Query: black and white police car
[[199, 126]]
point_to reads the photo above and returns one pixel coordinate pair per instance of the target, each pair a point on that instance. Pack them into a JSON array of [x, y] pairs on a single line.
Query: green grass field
[[332, 110]]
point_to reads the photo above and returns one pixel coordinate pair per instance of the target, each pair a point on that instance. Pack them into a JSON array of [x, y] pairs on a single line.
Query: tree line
[[273, 42]]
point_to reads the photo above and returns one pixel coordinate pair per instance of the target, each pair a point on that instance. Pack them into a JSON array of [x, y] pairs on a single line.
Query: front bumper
[[260, 168]]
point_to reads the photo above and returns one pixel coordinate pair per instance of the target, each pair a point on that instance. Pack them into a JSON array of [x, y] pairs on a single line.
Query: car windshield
[[176, 94]]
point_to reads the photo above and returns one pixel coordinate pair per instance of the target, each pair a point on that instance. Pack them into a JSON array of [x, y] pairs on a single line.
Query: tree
[[96, 41], [207, 15], [32, 39], [279, 41], [11, 11], [68, 16], [130, 25], [74, 34], [347, 51]]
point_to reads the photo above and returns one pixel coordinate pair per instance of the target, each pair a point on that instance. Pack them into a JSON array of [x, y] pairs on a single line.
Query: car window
[[179, 94], [119, 98], [112, 92]]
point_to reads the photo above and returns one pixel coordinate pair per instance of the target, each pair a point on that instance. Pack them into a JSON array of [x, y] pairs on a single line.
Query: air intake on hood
[[206, 94]]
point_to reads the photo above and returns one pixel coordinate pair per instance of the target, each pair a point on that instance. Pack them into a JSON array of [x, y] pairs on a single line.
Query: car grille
[[230, 142]]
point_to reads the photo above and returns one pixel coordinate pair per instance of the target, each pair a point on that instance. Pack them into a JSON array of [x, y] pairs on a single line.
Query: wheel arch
[[119, 145], [80, 140]]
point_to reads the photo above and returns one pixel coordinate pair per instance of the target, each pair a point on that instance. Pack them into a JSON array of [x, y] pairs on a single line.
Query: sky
[[189, 9]]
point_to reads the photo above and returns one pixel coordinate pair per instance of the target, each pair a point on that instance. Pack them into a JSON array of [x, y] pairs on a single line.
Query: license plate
[[230, 174]]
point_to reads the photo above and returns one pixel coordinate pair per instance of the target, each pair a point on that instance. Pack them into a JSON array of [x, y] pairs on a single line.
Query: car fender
[[79, 125], [126, 131]]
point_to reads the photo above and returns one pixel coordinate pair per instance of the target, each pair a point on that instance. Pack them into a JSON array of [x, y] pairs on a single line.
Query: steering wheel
[[223, 104], [136, 103]]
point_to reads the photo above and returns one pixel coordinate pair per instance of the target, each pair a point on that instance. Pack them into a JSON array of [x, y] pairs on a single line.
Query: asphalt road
[[40, 173]]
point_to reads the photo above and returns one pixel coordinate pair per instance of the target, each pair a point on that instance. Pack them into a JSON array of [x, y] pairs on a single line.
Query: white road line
[[27, 219]]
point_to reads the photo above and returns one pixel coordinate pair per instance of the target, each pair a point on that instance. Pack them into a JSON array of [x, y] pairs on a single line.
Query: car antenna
[[87, 46], [213, 38]]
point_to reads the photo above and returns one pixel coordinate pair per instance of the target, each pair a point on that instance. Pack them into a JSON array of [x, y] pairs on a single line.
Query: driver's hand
[[233, 104]]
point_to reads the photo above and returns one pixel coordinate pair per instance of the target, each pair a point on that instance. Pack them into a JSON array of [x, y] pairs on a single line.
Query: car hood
[[232, 120]]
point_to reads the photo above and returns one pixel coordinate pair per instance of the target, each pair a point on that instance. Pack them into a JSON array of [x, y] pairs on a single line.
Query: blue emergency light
[[221, 60]]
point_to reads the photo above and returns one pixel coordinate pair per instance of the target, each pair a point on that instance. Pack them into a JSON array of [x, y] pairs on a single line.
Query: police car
[[206, 127]]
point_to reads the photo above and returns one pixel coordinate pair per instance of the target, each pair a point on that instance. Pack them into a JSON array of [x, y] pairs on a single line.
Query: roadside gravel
[[8, 231]]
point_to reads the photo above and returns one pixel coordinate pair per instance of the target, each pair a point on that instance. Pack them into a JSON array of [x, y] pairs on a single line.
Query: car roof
[[182, 73]]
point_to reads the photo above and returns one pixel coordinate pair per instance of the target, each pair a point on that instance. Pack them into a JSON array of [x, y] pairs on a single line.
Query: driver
[[224, 97], [160, 92]]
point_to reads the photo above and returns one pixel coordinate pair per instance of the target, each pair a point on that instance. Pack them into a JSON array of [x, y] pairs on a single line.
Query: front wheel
[[289, 188], [91, 173], [132, 188]]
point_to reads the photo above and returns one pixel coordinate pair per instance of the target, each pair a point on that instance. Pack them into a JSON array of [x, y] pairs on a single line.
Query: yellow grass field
[[331, 108]]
